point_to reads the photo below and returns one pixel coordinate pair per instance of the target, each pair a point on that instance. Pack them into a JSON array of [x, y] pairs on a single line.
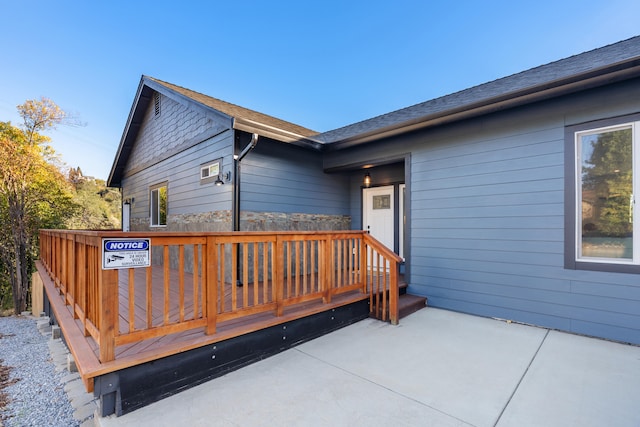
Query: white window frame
[[210, 171], [635, 136], [155, 222]]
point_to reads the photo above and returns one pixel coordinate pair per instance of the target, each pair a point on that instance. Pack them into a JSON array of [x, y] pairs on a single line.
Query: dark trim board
[[124, 391]]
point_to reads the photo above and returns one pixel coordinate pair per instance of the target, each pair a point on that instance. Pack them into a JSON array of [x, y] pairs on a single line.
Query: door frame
[[399, 214]]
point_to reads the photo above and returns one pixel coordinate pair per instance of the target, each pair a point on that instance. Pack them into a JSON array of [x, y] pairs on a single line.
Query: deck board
[[86, 351]]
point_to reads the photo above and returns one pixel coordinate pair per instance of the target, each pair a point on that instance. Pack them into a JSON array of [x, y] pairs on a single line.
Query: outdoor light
[[367, 180], [219, 180]]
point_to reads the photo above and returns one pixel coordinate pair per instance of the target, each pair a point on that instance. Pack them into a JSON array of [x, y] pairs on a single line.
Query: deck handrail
[[275, 270]]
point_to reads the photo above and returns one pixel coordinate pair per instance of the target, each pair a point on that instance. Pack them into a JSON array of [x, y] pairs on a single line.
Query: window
[[605, 179], [158, 206], [210, 171]]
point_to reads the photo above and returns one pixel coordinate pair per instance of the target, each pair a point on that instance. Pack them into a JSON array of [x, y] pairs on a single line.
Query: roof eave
[[275, 133], [131, 127], [591, 79]]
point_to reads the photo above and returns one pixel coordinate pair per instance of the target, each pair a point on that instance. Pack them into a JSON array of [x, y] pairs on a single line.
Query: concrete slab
[[436, 368], [289, 389], [578, 381], [466, 367]]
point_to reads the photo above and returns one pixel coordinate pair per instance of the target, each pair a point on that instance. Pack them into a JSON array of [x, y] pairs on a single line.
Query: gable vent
[[156, 101]]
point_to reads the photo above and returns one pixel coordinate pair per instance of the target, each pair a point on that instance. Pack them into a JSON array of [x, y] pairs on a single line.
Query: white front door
[[379, 214]]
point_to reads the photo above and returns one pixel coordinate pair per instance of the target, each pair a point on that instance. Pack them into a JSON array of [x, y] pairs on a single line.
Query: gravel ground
[[33, 392]]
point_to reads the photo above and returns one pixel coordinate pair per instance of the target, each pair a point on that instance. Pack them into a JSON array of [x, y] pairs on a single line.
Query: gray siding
[[487, 218], [185, 194], [174, 129], [488, 225], [282, 178]]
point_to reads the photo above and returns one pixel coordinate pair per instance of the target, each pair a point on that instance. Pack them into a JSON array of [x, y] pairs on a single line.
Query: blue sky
[[319, 64]]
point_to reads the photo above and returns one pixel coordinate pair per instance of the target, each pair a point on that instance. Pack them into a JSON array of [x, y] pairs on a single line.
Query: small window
[[158, 206], [209, 172]]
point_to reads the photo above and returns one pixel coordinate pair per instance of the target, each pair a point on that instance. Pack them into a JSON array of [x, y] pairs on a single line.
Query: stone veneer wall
[[249, 221], [275, 221]]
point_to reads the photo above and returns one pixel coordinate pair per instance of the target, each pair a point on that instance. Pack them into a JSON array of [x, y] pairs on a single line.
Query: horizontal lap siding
[[487, 226], [182, 173], [281, 178]]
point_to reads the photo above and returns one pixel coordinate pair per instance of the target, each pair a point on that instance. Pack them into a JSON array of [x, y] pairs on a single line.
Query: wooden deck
[[188, 299], [86, 351]]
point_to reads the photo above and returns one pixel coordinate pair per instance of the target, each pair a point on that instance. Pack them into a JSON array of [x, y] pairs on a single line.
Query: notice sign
[[125, 253]]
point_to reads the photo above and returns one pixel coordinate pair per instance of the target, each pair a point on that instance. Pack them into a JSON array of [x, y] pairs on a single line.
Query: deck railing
[[200, 280]]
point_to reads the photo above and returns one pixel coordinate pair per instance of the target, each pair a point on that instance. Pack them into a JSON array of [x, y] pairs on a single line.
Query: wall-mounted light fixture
[[129, 201], [227, 177], [367, 180]]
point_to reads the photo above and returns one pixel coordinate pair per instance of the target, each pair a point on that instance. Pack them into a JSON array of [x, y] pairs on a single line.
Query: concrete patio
[[437, 368]]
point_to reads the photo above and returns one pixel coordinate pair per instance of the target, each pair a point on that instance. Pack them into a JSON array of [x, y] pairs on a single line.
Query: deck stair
[[408, 303]]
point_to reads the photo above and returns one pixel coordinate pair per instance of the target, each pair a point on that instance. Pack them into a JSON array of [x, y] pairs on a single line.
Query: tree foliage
[[608, 178], [99, 206], [33, 195]]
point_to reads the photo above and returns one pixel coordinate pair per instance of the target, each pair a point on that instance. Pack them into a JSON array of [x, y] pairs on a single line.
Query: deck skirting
[[126, 390]]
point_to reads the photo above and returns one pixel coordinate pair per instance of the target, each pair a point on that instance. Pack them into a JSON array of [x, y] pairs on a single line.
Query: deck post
[[393, 293], [363, 266], [108, 300], [211, 284]]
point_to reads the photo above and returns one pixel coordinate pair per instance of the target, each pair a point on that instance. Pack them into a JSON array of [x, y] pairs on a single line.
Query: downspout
[[236, 198], [235, 213]]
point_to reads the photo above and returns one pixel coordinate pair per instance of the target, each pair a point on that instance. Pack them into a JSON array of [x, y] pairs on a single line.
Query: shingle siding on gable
[[175, 126], [189, 201]]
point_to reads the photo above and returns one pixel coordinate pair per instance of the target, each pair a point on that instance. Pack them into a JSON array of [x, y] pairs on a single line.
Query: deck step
[[408, 304]]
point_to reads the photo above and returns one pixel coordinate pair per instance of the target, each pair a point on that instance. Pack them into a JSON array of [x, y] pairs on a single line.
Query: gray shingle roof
[[237, 112], [596, 67], [526, 81]]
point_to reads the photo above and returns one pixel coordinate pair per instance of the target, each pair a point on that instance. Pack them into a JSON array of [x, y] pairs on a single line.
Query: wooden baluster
[[149, 284], [181, 282], [132, 298], [234, 276], [278, 270], [211, 266], [167, 284], [265, 271], [108, 312], [305, 273], [196, 311], [256, 284], [220, 251], [245, 274], [296, 266]]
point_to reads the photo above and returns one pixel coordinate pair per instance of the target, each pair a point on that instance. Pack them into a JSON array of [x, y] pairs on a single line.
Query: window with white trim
[[606, 178], [158, 205], [210, 170]]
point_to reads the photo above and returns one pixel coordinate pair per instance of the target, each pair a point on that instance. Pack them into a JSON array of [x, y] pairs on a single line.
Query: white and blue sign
[[125, 253]]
